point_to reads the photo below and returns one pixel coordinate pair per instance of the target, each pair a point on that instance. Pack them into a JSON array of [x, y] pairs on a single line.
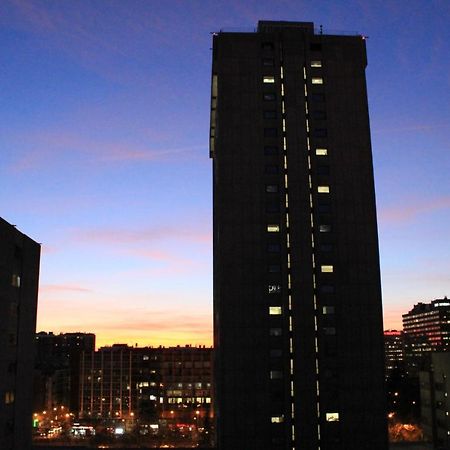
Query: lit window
[[276, 374], [326, 269], [271, 188], [328, 310], [273, 228], [316, 63], [321, 151], [315, 80], [277, 419], [275, 332], [332, 417], [274, 288], [15, 280], [323, 189], [270, 79], [9, 397], [275, 310], [324, 228]]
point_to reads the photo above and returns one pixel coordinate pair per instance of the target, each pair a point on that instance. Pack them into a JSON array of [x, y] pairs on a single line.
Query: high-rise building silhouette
[[297, 300], [19, 276]]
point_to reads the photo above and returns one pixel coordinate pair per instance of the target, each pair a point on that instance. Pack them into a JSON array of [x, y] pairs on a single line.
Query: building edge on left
[[19, 281]]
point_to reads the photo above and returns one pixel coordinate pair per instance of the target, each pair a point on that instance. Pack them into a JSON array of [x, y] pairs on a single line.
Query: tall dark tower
[[19, 277], [297, 299]]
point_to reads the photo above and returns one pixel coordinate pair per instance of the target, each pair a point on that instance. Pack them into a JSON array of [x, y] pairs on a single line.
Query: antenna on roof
[[321, 29]]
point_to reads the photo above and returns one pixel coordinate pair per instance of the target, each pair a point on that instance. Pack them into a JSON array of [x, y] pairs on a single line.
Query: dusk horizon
[[104, 136]]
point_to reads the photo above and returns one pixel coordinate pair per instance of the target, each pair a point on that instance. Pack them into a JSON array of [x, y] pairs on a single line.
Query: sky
[[104, 124]]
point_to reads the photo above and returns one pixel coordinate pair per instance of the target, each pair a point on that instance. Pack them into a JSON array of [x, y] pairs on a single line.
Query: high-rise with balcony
[[297, 300]]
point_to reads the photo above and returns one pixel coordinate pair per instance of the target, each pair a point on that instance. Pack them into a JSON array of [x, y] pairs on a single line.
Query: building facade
[[57, 369], [394, 350], [151, 384], [434, 400], [297, 301], [426, 329], [19, 278]]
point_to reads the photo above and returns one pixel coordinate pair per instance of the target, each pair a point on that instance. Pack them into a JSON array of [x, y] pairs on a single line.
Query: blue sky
[[104, 152]]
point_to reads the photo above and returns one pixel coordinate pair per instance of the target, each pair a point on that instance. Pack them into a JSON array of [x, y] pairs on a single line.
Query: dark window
[[275, 332], [324, 208], [323, 170], [271, 169], [269, 96], [273, 248], [319, 115], [267, 46], [272, 207], [318, 98], [271, 187], [274, 268], [268, 62], [326, 248], [276, 353], [270, 132], [270, 150], [270, 114], [320, 132], [315, 46], [326, 289]]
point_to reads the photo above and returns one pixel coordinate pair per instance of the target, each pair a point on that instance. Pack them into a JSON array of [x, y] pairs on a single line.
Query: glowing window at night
[[268, 79], [277, 419], [275, 310], [328, 309], [324, 228], [321, 151], [316, 63], [272, 188], [317, 80], [15, 281], [326, 269], [274, 288], [273, 228], [276, 374], [323, 189], [332, 417]]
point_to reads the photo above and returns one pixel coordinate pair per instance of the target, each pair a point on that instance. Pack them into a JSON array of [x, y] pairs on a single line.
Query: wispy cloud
[[127, 236], [47, 149], [408, 212], [49, 288]]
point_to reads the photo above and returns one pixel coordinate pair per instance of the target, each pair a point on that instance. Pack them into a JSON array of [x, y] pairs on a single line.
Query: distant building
[[426, 329], [297, 299], [19, 278], [57, 369], [435, 400], [393, 350], [148, 383]]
